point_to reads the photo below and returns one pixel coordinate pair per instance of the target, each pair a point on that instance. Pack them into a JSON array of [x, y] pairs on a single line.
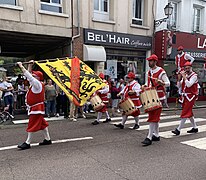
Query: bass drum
[[150, 99]]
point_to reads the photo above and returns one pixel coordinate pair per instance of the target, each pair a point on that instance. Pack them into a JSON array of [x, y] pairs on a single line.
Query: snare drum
[[97, 103], [150, 99], [128, 106]]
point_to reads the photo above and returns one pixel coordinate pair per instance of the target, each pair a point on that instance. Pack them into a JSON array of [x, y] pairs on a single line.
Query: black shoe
[[95, 122], [155, 138], [193, 130], [136, 126], [119, 126], [45, 142], [176, 132], [107, 120], [147, 142], [24, 146]]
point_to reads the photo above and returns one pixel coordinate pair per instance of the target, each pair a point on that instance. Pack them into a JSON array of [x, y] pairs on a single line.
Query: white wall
[[185, 14]]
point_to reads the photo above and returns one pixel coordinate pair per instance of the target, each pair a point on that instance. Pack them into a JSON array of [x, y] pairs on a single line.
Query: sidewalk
[[172, 107]]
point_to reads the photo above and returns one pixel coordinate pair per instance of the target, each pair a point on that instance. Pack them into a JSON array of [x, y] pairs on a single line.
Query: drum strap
[[151, 82], [150, 76]]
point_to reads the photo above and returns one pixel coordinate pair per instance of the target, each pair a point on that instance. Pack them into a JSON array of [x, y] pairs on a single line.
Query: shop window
[[172, 21], [196, 19], [101, 10], [52, 5], [10, 2], [138, 8]]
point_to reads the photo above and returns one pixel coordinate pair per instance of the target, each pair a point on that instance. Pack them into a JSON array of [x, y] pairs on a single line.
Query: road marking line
[[60, 118], [145, 119], [199, 143], [167, 124], [129, 117], [169, 134], [53, 142]]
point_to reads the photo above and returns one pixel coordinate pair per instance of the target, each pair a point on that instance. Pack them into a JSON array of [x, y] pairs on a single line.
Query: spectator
[[115, 99], [7, 89], [50, 96], [21, 94]]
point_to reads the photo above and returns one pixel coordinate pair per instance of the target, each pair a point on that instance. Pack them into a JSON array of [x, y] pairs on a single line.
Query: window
[[196, 19], [101, 5], [138, 6], [172, 22], [101, 9], [10, 2], [52, 5]]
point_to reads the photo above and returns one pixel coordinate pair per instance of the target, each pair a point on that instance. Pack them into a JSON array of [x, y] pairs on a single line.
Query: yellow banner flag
[[74, 77]]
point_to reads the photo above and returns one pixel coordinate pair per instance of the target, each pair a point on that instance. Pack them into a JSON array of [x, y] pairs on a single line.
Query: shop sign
[[201, 45], [116, 39], [194, 44]]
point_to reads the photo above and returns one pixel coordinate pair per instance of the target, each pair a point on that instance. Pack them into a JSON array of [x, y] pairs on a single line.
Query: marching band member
[[189, 86], [180, 59], [157, 78], [103, 94], [35, 103], [131, 90]]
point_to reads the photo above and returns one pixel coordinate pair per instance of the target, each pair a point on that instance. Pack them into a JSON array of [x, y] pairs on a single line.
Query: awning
[[94, 53]]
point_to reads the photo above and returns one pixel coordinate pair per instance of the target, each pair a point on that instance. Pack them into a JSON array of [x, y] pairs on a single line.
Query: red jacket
[[35, 102]]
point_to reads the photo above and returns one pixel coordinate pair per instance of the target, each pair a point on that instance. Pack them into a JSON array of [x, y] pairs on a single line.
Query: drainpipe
[[78, 25]]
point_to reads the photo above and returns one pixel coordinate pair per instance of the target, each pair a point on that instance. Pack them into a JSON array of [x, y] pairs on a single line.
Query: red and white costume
[[35, 104], [157, 77], [103, 94], [181, 59], [134, 86], [189, 94], [159, 73]]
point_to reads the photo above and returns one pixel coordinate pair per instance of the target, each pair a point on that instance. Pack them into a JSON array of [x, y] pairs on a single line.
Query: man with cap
[[180, 59], [157, 78], [189, 86], [131, 90], [103, 94], [35, 103]]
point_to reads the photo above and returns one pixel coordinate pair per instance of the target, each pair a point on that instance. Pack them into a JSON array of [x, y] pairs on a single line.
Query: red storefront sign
[[167, 42]]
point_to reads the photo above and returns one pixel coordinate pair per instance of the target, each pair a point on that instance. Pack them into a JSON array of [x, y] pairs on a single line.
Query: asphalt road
[[103, 152]]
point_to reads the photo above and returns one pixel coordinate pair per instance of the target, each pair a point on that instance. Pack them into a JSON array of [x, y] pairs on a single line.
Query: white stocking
[[156, 129], [99, 116], [107, 114], [29, 137], [124, 119], [182, 122], [151, 130], [136, 118], [192, 120], [46, 134]]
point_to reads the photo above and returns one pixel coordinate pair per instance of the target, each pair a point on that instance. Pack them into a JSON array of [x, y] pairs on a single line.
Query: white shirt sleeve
[[104, 90], [190, 82], [36, 84], [165, 80], [122, 91], [188, 57], [136, 88]]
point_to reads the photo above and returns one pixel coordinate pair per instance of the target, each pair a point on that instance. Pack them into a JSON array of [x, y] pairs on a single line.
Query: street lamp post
[[168, 11]]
